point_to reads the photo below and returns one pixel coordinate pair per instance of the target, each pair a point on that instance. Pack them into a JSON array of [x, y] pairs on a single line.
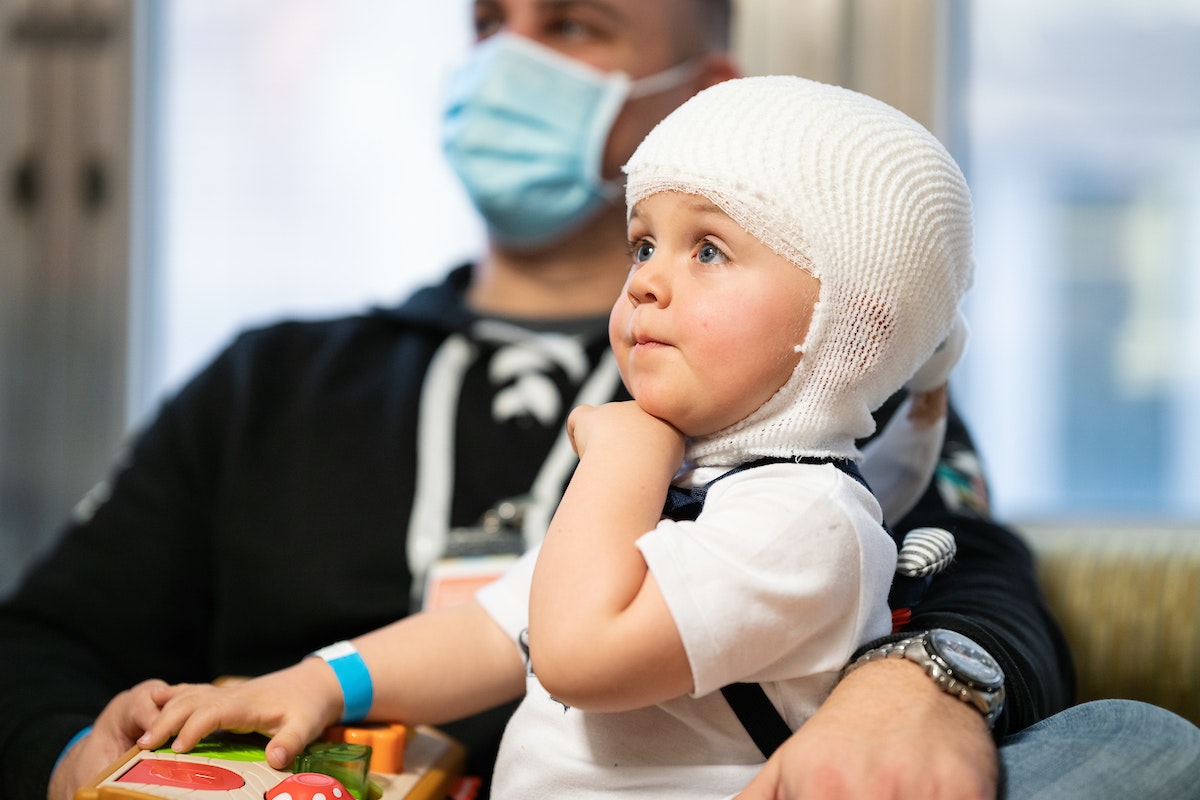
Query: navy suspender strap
[[685, 504], [758, 715], [749, 701]]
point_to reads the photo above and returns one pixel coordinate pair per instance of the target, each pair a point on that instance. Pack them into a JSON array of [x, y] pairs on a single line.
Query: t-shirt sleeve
[[506, 599], [783, 575]]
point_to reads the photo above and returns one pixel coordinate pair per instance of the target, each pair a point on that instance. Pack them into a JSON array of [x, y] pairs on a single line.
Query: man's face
[[637, 37]]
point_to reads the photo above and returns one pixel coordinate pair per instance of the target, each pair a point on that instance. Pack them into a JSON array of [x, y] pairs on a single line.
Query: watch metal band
[[987, 700]]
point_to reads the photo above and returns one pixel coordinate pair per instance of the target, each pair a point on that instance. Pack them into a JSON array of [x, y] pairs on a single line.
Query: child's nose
[[650, 283]]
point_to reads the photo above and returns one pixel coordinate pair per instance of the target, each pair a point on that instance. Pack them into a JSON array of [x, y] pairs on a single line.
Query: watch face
[[966, 659]]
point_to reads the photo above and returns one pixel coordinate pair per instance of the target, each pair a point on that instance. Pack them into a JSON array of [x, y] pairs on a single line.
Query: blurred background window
[[1078, 124], [297, 170]]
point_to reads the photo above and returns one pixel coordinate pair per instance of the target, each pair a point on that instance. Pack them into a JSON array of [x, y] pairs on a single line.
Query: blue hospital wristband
[[353, 676]]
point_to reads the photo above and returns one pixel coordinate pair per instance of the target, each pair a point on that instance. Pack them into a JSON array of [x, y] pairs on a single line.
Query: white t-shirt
[[784, 574]]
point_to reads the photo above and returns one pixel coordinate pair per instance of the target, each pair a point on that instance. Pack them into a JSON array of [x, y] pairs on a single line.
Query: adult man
[[301, 486]]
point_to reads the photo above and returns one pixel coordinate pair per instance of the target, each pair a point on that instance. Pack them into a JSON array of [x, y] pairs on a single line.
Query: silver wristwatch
[[957, 664]]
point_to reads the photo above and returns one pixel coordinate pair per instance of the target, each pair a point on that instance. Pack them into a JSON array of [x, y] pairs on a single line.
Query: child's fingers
[[180, 704], [161, 727], [157, 733], [191, 712], [200, 723], [286, 745]]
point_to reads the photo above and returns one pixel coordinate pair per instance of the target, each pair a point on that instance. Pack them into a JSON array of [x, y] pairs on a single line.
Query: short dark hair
[[704, 27], [718, 17]]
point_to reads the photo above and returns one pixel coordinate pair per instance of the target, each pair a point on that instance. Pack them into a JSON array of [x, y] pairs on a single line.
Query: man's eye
[[571, 27], [486, 25], [709, 253], [574, 29]]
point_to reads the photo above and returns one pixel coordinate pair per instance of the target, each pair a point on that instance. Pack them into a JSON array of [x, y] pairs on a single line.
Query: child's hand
[[629, 427], [292, 706]]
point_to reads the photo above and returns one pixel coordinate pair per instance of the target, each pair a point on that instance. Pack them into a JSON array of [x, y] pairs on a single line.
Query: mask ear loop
[[622, 89], [618, 88], [668, 78]]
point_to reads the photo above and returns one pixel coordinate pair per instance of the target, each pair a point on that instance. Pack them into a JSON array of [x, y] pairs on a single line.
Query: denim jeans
[[1104, 750]]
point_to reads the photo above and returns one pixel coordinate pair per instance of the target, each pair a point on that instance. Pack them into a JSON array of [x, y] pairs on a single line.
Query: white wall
[[297, 171]]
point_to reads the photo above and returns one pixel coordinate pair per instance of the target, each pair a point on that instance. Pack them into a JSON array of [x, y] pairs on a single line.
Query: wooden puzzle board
[[432, 761]]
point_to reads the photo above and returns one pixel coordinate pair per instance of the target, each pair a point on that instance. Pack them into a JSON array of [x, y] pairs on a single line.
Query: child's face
[[708, 324]]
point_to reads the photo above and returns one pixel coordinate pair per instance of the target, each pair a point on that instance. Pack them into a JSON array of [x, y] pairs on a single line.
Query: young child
[[799, 250]]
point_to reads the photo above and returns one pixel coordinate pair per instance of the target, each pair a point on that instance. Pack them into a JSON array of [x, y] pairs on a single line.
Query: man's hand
[[886, 733], [116, 729]]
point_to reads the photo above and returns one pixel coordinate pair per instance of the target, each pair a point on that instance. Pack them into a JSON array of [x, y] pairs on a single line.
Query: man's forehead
[[612, 8], [616, 10]]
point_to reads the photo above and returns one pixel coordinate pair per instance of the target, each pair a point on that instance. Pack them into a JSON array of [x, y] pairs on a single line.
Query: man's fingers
[[161, 692]]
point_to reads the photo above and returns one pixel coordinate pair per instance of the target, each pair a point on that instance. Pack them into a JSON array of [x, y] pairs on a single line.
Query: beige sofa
[[1128, 598]]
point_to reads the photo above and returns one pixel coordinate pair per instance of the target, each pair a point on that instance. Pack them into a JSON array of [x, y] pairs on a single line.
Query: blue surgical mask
[[525, 129]]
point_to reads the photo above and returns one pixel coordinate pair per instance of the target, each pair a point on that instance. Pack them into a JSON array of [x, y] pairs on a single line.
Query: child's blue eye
[[642, 251], [709, 253]]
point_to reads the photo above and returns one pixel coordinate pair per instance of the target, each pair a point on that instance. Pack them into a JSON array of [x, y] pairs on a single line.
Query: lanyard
[[433, 492]]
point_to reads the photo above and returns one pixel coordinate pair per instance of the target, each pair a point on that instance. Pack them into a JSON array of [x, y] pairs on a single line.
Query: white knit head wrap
[[855, 192]]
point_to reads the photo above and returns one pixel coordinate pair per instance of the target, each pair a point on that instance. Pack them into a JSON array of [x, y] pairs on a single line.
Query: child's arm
[[600, 634], [427, 668]]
